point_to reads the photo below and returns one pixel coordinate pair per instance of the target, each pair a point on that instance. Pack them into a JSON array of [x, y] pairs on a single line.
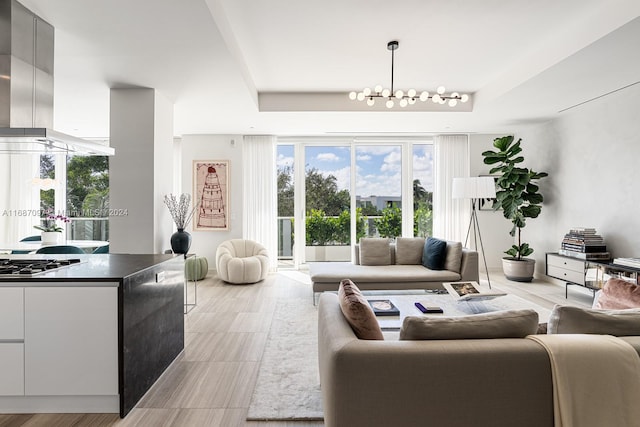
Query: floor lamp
[[475, 188]]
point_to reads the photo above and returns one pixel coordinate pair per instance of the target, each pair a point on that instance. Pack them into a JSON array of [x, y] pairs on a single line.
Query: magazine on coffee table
[[469, 291], [383, 307]]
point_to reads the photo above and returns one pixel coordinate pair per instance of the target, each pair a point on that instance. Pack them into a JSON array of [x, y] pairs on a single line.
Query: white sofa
[[403, 271]]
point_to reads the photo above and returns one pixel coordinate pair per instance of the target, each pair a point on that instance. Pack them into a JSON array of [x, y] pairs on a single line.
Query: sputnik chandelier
[[409, 97]]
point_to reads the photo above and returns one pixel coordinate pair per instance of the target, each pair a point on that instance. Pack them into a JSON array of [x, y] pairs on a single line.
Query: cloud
[[284, 161], [327, 157]]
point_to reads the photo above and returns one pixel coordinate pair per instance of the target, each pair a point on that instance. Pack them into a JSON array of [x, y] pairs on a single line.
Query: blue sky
[[378, 166]]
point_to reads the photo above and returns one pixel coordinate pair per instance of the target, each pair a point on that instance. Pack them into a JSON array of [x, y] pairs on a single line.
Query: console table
[[586, 273]]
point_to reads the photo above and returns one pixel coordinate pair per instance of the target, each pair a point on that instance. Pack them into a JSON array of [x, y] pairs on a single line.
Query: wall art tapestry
[[211, 192]]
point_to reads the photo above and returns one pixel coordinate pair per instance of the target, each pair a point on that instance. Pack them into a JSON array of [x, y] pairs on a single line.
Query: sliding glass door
[[379, 189], [333, 192]]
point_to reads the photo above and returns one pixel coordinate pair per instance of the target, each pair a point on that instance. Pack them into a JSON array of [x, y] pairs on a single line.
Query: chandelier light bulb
[[423, 96], [442, 101], [412, 101], [370, 102], [435, 98], [399, 94], [464, 97], [378, 89], [440, 90], [403, 102], [366, 91], [352, 96], [455, 95], [360, 96], [453, 102], [389, 104], [411, 93], [386, 93]]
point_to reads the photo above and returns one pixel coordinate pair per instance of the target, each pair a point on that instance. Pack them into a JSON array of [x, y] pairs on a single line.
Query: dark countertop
[[93, 267]]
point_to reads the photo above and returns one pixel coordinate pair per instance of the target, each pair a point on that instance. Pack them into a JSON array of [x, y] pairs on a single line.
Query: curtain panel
[[451, 160], [259, 193]]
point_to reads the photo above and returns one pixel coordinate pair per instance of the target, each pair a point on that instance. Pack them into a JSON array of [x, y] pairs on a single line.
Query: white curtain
[[260, 194], [450, 216], [19, 198]]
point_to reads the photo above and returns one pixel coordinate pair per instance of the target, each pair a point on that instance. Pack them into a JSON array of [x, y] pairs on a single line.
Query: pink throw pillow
[[358, 312], [618, 294]]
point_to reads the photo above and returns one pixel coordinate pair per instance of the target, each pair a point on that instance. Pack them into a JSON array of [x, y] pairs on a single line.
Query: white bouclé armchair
[[242, 261]]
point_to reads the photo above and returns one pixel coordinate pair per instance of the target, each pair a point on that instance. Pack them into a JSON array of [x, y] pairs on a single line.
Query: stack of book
[[584, 243], [628, 262]]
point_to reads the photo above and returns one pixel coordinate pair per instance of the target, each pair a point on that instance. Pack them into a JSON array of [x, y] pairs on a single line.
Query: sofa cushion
[[453, 257], [435, 251], [618, 294], [375, 251], [575, 320], [498, 324], [409, 250], [357, 311]]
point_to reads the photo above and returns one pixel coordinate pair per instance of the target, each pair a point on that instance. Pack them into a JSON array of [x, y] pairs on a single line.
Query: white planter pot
[[327, 253], [50, 237], [518, 271]]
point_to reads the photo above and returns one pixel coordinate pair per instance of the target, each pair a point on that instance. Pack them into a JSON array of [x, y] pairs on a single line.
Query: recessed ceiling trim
[[337, 101]]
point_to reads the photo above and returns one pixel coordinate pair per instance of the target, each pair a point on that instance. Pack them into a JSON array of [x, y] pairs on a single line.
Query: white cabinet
[[11, 369], [11, 341], [71, 341], [567, 269], [11, 314]]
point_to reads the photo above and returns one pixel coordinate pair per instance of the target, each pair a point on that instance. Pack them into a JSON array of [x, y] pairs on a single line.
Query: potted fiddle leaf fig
[[517, 194]]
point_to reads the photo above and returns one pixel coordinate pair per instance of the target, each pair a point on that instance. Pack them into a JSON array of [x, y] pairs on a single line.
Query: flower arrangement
[[50, 224], [179, 209]]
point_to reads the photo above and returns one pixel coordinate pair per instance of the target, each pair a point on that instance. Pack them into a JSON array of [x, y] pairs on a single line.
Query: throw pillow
[[358, 312], [499, 324], [375, 251], [435, 251], [453, 257], [576, 320], [618, 294], [409, 250]]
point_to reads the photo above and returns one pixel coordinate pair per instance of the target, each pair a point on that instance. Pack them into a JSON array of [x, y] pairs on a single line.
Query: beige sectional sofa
[[502, 382], [399, 268]]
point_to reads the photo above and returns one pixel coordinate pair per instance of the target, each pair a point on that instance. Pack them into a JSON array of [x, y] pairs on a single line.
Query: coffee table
[[451, 307]]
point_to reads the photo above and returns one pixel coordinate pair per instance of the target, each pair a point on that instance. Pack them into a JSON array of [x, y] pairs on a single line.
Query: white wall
[[591, 154], [214, 147], [141, 171]]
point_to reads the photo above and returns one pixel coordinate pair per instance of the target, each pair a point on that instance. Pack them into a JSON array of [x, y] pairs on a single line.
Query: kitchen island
[[89, 337]]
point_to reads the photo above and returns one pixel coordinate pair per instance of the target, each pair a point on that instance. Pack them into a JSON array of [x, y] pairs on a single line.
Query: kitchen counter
[[94, 267], [92, 336]]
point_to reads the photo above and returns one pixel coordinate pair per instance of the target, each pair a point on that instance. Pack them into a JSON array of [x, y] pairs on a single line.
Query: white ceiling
[[523, 60]]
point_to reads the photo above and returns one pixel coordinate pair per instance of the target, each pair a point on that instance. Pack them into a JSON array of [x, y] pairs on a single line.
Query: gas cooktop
[[32, 267]]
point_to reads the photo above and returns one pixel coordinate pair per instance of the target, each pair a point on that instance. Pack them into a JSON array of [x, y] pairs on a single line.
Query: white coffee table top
[[451, 307]]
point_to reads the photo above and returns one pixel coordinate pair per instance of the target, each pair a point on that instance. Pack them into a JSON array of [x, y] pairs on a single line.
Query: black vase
[[180, 241]]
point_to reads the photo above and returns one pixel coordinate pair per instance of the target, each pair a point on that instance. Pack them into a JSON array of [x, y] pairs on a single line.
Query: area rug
[[288, 384]]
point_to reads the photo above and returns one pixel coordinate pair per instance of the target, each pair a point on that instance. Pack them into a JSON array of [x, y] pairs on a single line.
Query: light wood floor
[[211, 383]]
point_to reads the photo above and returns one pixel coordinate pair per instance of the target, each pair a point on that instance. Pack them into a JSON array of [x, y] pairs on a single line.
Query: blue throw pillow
[[435, 251]]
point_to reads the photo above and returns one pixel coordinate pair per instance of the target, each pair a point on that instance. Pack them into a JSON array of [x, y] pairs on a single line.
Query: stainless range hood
[[26, 88]]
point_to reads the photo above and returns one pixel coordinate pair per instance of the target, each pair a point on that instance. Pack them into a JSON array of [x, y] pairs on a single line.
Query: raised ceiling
[[524, 61]]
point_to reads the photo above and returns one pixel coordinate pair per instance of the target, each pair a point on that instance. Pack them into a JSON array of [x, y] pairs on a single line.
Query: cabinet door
[[11, 369], [11, 314], [71, 341]]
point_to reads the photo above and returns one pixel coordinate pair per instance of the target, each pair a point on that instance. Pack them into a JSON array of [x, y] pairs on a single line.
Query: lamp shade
[[480, 187]]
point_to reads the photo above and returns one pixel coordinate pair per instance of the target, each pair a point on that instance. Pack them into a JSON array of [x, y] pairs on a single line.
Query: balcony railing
[[88, 229]]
